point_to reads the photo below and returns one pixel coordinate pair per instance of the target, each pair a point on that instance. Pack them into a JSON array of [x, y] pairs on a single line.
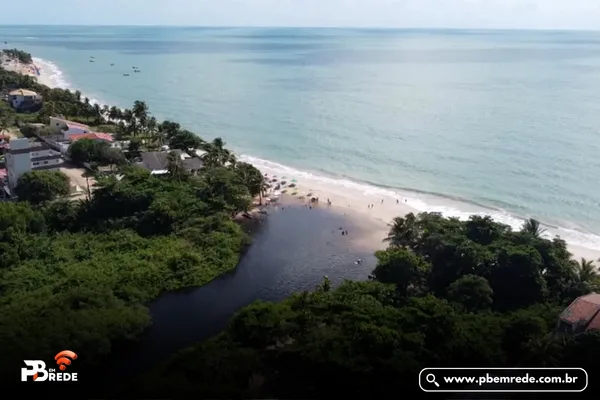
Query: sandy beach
[[33, 70], [373, 221]]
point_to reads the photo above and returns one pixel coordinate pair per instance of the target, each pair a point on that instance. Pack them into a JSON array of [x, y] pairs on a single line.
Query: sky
[[472, 14]]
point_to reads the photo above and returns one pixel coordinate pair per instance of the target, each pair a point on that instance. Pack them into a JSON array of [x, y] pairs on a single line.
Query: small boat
[[125, 74], [112, 65], [91, 60]]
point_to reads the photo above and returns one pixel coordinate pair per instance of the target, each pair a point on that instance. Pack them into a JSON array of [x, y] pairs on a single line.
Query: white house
[[25, 156], [23, 98], [68, 128]]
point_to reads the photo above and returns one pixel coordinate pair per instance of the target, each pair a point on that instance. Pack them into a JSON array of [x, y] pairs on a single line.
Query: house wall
[[61, 127], [17, 100], [19, 164], [47, 162], [16, 166]]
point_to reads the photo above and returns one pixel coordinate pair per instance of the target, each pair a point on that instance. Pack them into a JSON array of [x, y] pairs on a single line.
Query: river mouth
[[293, 248]]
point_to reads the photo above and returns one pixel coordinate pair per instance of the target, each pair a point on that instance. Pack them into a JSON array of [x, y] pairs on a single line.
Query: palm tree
[[78, 95], [403, 231], [127, 116], [586, 275], [97, 113], [140, 112], [174, 166], [532, 226], [113, 113]]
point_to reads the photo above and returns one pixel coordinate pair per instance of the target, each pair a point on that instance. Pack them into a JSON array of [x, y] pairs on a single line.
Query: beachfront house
[[67, 128], [25, 100], [24, 156], [581, 315], [157, 161], [96, 136]]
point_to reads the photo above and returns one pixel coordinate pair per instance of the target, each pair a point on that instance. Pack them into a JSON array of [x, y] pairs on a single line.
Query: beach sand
[[373, 221], [33, 70]]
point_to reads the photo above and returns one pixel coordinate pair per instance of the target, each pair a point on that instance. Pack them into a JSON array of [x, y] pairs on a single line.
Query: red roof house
[[582, 315], [93, 136]]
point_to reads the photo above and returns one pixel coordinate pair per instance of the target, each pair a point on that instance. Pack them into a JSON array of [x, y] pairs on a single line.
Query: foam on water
[[430, 203], [55, 76]]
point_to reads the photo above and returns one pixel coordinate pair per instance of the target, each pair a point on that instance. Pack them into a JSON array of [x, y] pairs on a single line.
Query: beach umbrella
[[293, 180], [283, 177]]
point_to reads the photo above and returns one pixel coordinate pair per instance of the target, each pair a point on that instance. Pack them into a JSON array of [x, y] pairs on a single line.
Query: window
[[36, 163], [45, 162]]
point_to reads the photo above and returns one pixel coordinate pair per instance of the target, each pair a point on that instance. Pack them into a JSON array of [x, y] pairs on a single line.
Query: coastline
[[374, 221], [352, 198]]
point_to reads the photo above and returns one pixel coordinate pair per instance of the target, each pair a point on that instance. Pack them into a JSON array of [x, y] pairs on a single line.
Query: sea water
[[499, 122]]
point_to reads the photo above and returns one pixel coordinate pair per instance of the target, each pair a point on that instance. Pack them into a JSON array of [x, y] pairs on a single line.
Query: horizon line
[[303, 27]]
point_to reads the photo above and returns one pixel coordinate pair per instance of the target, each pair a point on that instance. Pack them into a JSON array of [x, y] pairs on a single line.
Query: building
[[101, 137], [24, 156], [23, 99], [67, 128], [582, 315], [157, 161]]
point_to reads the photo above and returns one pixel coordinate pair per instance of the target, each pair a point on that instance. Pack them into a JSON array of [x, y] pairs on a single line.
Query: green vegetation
[[95, 152], [96, 263], [81, 272], [19, 55], [40, 186], [445, 293]]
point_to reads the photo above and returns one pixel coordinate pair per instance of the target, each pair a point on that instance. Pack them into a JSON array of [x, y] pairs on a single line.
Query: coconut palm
[[403, 231], [140, 112], [113, 113], [586, 273], [174, 166], [532, 226]]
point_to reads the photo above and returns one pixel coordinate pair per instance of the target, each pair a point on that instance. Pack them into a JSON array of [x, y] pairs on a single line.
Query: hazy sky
[[552, 14]]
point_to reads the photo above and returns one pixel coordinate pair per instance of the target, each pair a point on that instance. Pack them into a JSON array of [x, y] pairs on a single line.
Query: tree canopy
[[40, 186], [96, 152], [440, 295]]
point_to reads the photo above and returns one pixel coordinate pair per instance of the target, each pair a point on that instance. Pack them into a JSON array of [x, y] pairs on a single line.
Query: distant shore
[[33, 70]]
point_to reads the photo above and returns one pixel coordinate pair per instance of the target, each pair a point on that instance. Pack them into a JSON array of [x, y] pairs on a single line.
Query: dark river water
[[292, 250]]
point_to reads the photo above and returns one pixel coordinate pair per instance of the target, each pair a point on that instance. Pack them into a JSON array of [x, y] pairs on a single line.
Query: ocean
[[505, 123]]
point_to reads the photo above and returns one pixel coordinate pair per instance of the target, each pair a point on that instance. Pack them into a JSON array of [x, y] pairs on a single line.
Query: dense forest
[[98, 262], [444, 293]]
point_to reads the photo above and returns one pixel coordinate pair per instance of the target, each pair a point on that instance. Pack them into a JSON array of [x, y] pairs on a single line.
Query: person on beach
[[397, 201], [381, 201]]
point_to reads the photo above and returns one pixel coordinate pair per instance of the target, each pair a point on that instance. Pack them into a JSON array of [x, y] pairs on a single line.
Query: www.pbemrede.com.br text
[[507, 380]]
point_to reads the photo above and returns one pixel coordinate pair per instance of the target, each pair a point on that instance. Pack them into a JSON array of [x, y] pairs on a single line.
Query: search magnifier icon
[[430, 378]]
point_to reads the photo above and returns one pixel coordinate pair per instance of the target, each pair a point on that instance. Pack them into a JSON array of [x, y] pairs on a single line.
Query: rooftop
[[585, 310], [23, 92], [71, 123], [158, 160], [93, 136]]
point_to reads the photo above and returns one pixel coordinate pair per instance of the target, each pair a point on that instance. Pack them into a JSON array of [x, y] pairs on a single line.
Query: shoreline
[[374, 221], [350, 200]]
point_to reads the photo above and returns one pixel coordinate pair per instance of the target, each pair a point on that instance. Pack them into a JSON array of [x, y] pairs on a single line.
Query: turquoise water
[[503, 122]]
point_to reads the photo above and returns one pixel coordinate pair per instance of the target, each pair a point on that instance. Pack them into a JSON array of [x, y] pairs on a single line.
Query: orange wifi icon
[[64, 358]]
